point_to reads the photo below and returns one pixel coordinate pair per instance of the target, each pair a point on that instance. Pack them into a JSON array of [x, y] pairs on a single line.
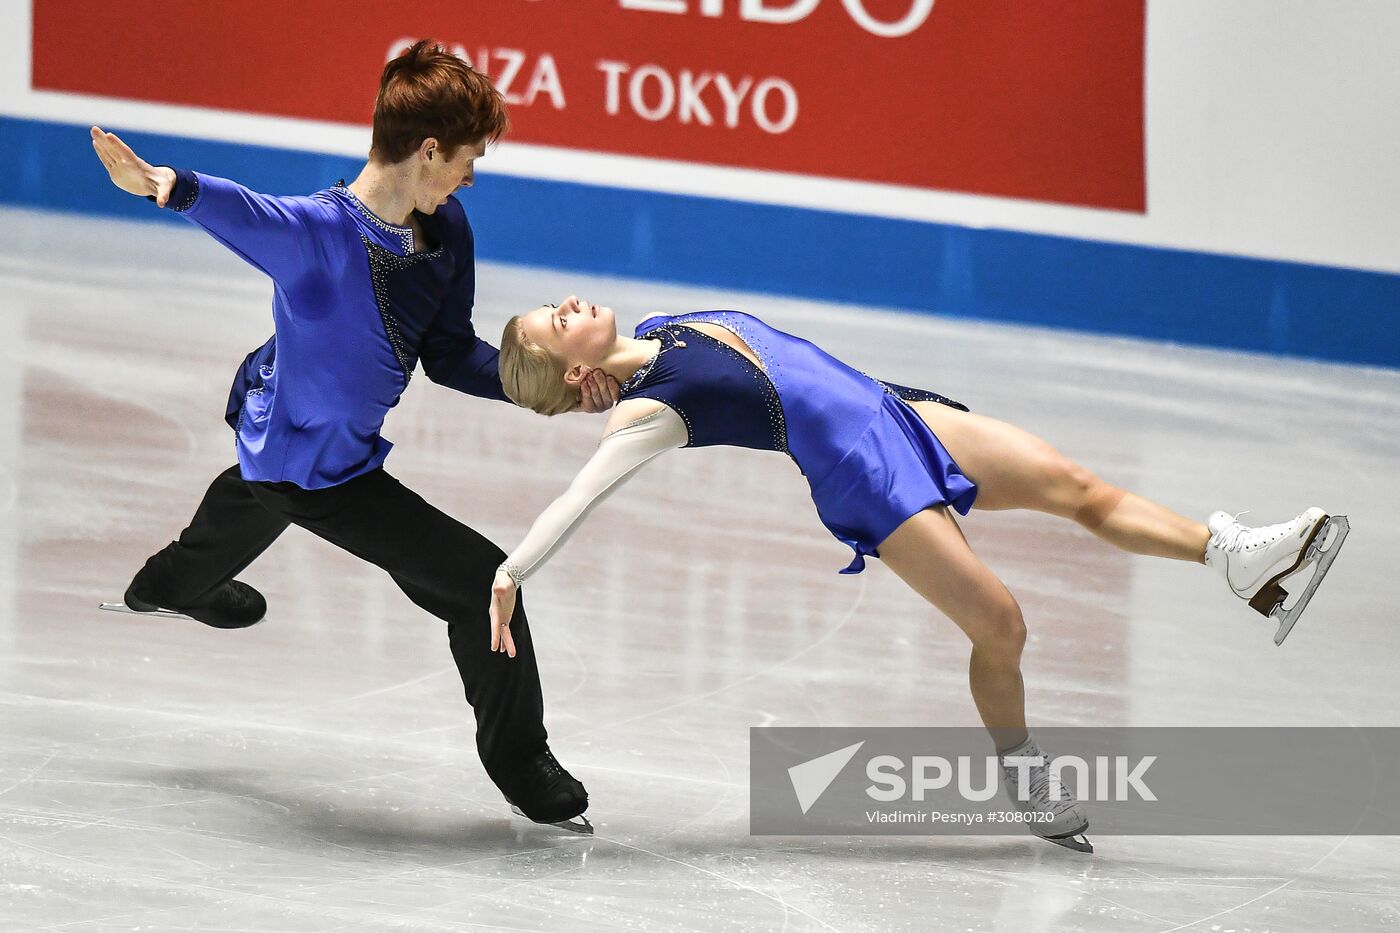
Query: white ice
[[317, 772]]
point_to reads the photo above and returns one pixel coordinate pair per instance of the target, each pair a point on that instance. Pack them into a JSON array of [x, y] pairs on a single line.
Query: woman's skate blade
[[154, 613], [1077, 842], [578, 824], [1320, 553]]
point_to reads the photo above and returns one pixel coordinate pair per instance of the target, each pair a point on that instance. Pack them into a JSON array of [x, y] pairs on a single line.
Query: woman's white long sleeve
[[618, 456]]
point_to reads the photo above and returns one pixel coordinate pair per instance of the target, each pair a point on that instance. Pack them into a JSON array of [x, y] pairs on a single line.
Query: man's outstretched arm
[[275, 235]]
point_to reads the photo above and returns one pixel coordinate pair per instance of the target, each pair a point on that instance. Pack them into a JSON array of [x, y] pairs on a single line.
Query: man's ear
[[429, 148], [576, 373]]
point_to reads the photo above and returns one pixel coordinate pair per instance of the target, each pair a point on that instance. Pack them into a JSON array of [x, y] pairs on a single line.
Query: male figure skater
[[370, 280]]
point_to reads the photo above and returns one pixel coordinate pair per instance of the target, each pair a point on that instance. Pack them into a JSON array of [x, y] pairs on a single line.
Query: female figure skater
[[887, 466]]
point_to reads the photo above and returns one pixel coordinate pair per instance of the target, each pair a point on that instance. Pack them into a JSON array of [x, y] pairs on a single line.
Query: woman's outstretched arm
[[638, 430]]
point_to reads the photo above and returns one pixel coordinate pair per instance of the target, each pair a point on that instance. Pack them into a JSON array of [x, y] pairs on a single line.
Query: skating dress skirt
[[869, 459]]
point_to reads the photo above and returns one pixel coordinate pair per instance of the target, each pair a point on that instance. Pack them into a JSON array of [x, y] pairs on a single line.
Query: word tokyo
[[1108, 778]]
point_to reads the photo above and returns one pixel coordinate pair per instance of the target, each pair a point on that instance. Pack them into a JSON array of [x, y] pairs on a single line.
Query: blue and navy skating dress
[[869, 458]]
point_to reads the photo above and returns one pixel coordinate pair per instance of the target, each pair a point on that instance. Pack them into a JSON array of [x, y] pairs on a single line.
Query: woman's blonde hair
[[532, 376]]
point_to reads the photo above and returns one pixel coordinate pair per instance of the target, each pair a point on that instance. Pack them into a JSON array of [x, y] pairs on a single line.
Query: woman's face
[[573, 330]]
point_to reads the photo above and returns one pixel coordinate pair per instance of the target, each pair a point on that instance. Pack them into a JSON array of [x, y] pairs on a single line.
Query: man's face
[[442, 176]]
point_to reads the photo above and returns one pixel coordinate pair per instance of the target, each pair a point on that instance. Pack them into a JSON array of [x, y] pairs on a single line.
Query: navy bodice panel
[[723, 398]]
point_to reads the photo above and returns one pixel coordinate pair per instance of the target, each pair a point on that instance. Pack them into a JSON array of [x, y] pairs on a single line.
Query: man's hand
[[598, 392], [502, 609], [130, 172]]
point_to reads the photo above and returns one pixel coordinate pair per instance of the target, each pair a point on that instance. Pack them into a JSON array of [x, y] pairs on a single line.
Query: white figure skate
[[1069, 820], [1258, 562]]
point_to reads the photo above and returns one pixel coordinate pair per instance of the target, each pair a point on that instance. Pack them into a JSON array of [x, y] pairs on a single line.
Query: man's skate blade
[[1333, 533], [154, 613], [172, 614], [578, 825]]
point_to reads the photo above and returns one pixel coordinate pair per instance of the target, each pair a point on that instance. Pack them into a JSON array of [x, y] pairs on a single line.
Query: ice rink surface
[[317, 772]]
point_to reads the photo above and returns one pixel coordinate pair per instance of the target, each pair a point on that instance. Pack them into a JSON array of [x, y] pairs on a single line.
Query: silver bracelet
[[514, 572]]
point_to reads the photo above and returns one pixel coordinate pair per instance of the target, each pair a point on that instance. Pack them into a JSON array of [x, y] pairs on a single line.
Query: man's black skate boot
[[233, 604], [541, 790]]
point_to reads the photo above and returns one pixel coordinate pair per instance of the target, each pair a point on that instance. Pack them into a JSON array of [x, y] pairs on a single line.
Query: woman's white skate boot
[[1258, 562], [1057, 817]]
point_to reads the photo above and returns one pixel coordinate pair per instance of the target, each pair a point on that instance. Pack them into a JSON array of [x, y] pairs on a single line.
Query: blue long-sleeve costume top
[[354, 309]]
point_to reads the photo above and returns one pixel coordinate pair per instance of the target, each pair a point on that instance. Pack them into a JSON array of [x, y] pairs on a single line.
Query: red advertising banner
[[1042, 101]]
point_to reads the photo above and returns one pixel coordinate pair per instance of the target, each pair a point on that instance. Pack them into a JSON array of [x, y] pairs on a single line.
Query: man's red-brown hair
[[428, 91]]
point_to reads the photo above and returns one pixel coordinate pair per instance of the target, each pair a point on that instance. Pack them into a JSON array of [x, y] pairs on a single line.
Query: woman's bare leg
[[1014, 469], [929, 553]]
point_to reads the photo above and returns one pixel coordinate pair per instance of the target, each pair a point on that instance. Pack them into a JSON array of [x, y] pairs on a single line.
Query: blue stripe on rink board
[[1196, 298]]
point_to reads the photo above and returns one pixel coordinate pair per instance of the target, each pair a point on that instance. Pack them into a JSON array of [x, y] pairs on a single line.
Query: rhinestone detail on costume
[[514, 572], [916, 395], [642, 420], [405, 234], [381, 263], [242, 410], [191, 197], [668, 341]]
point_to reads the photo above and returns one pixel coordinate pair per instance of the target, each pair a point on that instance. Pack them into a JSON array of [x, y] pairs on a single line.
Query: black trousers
[[441, 564]]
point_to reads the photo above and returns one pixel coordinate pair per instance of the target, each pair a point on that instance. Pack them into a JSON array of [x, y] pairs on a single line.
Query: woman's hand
[[130, 172], [502, 609], [598, 392]]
